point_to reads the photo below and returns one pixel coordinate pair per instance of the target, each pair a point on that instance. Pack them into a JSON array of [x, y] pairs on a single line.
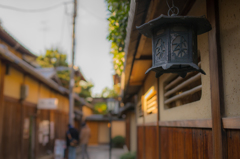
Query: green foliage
[[52, 58], [108, 93], [100, 108], [118, 141], [118, 19], [64, 77], [128, 155], [55, 58], [85, 89]]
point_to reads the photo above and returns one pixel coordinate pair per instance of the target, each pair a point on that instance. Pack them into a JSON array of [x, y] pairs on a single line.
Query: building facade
[[25, 130], [192, 117]]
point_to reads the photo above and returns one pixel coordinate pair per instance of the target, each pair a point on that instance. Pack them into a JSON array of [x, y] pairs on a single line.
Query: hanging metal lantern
[[174, 43]]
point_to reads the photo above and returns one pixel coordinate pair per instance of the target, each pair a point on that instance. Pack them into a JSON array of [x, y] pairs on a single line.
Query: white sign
[[43, 134], [59, 148], [47, 103]]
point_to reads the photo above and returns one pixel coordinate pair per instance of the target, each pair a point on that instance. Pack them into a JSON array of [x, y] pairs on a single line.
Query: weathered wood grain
[[215, 63], [140, 143]]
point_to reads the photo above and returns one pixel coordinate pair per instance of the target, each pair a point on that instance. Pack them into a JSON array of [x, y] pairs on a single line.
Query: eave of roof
[[7, 55], [140, 12], [5, 36], [137, 15], [100, 117], [127, 107]]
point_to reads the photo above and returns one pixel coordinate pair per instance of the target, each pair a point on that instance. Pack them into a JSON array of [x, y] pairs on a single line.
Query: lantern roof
[[201, 23]]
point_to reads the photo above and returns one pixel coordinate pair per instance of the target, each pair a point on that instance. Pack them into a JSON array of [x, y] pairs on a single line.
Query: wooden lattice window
[[150, 101], [180, 91]]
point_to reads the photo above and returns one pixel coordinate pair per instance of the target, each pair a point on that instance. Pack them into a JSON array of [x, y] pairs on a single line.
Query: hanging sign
[[47, 103]]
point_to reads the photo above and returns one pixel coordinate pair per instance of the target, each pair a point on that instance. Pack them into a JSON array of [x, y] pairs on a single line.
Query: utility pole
[[71, 84]]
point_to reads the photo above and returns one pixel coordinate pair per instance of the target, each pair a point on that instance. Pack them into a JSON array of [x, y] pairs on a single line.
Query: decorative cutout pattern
[[160, 48], [179, 46]]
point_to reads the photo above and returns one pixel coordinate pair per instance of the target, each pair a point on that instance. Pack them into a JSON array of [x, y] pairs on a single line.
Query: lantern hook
[[173, 9]]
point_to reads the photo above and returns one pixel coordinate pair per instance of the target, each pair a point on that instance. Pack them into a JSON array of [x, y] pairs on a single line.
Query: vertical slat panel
[[164, 145], [127, 140], [188, 140], [185, 143], [7, 133], [140, 142], [11, 145], [170, 143], [150, 142], [207, 144], [197, 144], [18, 126], [179, 143], [233, 144]]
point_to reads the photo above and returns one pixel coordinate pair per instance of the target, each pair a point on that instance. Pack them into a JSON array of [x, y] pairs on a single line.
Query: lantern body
[[110, 104], [174, 43]]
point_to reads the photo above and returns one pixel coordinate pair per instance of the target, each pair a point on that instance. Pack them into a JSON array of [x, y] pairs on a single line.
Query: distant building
[[25, 130]]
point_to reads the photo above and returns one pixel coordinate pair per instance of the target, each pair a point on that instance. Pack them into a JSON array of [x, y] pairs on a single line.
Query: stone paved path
[[102, 152]]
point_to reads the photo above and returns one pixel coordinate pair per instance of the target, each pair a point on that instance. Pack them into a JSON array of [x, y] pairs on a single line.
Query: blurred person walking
[[84, 138], [72, 139]]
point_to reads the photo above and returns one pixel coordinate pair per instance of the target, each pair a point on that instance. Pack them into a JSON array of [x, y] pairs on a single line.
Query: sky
[[38, 31]]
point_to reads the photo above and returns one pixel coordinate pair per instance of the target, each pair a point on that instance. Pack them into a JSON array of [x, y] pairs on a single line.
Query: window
[[179, 91], [150, 101]]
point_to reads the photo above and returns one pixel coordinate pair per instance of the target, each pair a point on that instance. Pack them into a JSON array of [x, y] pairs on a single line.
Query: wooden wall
[[151, 142], [233, 144], [140, 143], [13, 145], [183, 143], [11, 131], [127, 138], [93, 125]]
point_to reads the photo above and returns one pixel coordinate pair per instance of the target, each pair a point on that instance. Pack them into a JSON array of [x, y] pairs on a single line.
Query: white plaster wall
[[118, 128], [133, 133], [229, 13], [139, 119], [103, 136], [200, 109]]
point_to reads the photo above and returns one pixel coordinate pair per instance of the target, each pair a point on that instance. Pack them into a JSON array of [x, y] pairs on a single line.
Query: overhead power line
[[32, 10]]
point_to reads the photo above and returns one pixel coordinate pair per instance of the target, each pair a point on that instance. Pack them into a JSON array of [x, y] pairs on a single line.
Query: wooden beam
[[152, 9], [144, 58], [200, 123], [148, 124], [183, 84], [135, 83], [219, 151], [231, 122], [158, 119], [184, 94], [2, 75]]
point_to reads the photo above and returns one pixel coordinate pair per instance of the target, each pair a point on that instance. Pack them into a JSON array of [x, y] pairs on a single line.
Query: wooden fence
[[184, 143], [17, 146]]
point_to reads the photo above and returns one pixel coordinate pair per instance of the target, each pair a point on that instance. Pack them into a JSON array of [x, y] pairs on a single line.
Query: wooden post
[[23, 111], [2, 75], [216, 81], [158, 127]]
